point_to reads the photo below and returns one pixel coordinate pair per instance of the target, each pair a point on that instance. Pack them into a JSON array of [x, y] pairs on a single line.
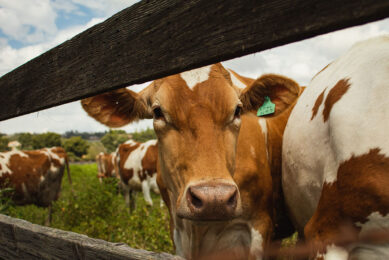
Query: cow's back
[[335, 146]]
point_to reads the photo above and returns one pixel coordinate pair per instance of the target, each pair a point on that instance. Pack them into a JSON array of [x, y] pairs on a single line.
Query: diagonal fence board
[[19, 239], [156, 38]]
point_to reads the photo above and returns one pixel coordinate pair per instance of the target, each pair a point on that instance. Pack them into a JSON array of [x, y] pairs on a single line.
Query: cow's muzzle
[[210, 202]]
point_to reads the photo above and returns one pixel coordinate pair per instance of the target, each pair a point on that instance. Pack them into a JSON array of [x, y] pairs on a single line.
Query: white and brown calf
[[336, 153], [219, 165], [137, 167]]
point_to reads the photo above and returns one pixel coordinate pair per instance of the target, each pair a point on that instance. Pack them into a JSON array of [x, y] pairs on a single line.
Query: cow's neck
[[193, 240], [276, 126]]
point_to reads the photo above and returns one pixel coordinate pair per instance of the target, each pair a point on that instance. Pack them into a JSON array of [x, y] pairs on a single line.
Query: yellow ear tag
[[267, 107]]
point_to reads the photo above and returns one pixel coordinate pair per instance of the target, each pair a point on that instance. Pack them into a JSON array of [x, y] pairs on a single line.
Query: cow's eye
[[238, 111], [158, 113]]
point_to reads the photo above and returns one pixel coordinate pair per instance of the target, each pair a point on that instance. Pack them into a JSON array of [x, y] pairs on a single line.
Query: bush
[[144, 136], [94, 149], [48, 139], [4, 144], [113, 139], [5, 199], [76, 146], [26, 139]]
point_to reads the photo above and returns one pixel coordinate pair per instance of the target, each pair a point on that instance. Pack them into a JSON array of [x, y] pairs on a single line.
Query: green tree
[[26, 139], [4, 143], [144, 136], [76, 145], [48, 139], [113, 138]]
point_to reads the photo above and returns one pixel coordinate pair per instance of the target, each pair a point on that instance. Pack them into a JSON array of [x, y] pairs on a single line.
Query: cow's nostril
[[195, 201], [232, 201]]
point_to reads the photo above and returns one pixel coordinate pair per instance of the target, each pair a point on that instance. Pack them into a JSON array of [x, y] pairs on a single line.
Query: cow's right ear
[[116, 108], [282, 91]]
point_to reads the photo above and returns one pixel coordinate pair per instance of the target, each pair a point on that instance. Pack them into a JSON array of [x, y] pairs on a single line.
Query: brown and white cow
[[137, 167], [220, 166], [336, 152], [35, 176], [106, 165]]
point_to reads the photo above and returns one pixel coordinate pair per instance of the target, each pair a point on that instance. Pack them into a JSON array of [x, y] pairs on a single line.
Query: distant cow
[[106, 165], [137, 167], [35, 176]]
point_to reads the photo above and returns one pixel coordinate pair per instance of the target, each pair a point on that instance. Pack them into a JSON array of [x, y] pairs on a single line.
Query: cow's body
[[35, 176], [106, 165], [220, 171], [336, 150], [137, 164]]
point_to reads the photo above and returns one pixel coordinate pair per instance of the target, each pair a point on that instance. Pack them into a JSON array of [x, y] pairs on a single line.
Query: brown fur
[[338, 205], [334, 95], [318, 102]]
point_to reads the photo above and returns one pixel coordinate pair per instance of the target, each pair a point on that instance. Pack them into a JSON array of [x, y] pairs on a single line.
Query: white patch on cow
[[130, 142], [262, 122], [113, 160], [4, 161], [236, 81], [42, 178], [196, 76], [177, 242], [256, 248], [335, 253], [375, 221], [209, 238], [24, 189], [134, 162], [252, 150], [358, 122]]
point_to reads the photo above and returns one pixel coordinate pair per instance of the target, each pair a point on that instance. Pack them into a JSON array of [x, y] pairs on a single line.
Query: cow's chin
[[200, 220]]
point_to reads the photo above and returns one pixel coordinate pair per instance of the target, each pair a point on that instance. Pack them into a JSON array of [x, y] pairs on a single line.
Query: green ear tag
[[267, 108]]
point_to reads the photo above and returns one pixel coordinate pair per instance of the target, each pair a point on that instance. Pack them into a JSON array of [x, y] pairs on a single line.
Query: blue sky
[[30, 27]]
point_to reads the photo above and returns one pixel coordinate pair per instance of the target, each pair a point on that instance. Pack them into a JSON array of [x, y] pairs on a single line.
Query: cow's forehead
[[211, 84]]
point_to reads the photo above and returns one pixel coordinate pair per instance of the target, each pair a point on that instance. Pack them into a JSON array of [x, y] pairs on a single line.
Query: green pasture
[[97, 210]]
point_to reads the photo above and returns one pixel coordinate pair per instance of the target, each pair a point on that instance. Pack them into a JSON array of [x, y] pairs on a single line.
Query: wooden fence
[[149, 40], [19, 239]]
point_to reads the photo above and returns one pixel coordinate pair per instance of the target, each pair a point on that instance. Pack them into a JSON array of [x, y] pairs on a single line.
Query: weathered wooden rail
[[155, 38], [19, 239], [149, 40]]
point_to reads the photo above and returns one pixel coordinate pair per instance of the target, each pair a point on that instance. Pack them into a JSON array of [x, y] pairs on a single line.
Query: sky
[[28, 28]]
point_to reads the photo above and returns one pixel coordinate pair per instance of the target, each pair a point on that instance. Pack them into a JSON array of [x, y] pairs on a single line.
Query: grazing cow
[[35, 176], [219, 165], [106, 165], [137, 167], [336, 152]]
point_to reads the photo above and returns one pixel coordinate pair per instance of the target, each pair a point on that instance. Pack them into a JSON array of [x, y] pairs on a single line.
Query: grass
[[97, 210]]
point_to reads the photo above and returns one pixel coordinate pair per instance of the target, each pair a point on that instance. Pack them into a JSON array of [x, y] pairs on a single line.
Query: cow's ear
[[281, 90], [116, 108]]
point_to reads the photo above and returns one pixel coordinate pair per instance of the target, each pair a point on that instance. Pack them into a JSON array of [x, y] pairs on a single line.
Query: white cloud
[[27, 20], [299, 61], [11, 58]]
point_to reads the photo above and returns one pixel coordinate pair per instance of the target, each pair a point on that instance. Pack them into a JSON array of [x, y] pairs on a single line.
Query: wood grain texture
[[155, 38], [20, 239]]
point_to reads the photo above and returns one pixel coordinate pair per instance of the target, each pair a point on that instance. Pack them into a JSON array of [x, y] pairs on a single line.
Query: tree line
[[78, 145]]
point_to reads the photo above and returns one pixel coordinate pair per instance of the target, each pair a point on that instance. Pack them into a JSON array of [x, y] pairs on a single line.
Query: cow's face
[[197, 120]]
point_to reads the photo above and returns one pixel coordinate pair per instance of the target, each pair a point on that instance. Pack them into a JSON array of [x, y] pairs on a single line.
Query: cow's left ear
[[281, 90], [116, 108]]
